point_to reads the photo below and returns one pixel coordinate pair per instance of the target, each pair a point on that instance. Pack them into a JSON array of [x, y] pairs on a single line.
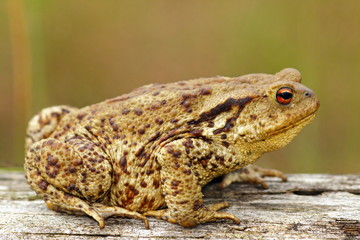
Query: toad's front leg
[[182, 189]]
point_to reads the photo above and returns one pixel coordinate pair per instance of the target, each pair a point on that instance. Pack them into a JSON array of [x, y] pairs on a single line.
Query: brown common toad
[[149, 152]]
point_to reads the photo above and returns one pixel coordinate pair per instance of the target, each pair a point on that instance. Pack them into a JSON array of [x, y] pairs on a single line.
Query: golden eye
[[284, 95]]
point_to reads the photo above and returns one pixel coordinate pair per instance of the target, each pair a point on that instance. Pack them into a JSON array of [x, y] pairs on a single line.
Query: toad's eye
[[284, 95]]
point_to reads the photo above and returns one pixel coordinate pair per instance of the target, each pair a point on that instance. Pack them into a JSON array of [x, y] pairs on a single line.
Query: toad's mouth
[[298, 124]]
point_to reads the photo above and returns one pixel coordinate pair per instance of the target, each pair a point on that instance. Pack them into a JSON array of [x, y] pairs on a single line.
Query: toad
[[150, 152]]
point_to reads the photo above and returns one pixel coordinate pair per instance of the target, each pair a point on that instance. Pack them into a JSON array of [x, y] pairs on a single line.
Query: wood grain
[[308, 206]]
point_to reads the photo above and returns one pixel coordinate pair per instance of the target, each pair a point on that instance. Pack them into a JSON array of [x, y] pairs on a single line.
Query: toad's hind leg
[[97, 211], [73, 177], [74, 205]]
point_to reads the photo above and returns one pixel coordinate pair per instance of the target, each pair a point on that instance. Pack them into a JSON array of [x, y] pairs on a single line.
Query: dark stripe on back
[[223, 107]]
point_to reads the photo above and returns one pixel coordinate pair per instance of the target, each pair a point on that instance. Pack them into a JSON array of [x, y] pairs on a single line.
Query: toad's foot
[[209, 214], [252, 174], [107, 211], [97, 211]]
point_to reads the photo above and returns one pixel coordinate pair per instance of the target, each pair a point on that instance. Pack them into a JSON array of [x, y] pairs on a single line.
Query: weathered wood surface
[[306, 207]]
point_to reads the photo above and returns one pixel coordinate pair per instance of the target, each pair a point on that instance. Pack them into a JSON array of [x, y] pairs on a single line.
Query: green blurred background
[[82, 52]]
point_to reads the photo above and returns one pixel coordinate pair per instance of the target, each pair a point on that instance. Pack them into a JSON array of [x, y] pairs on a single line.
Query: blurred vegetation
[[82, 52]]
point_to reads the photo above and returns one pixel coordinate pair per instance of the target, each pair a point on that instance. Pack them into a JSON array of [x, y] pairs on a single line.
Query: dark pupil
[[286, 95]]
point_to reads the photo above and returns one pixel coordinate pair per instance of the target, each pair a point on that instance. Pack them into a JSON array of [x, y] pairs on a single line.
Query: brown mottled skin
[[155, 147]]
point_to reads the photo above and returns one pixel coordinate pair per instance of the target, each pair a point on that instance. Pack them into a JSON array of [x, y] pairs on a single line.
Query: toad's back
[[150, 112]]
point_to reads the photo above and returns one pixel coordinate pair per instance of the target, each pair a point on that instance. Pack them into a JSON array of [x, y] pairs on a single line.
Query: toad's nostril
[[307, 94]]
